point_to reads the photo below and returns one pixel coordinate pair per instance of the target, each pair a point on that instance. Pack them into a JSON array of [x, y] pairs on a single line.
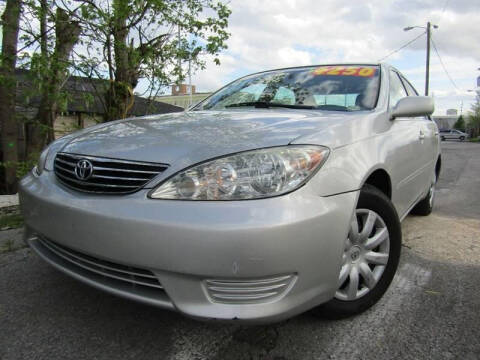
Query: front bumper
[[192, 247]]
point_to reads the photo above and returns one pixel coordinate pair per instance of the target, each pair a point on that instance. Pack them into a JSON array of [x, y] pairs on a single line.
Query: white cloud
[[214, 76], [273, 34]]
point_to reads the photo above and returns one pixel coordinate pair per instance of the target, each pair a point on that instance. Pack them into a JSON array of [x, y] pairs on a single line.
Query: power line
[[443, 65], [402, 47]]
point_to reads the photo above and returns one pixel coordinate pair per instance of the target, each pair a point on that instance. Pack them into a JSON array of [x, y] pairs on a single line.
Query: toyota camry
[[280, 193]]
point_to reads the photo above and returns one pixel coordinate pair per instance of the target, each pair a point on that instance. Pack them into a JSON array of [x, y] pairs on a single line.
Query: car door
[[405, 132], [428, 136]]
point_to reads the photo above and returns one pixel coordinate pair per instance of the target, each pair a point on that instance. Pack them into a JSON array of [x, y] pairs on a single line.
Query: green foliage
[[122, 41], [22, 167], [147, 31], [474, 118], [460, 123]]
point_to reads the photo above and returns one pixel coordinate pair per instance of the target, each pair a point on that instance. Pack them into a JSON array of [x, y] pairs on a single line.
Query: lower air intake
[[249, 291]]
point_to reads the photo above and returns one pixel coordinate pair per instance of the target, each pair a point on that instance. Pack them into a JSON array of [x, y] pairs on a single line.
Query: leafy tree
[[49, 68], [460, 123], [474, 118], [8, 58], [48, 34], [120, 41], [127, 40]]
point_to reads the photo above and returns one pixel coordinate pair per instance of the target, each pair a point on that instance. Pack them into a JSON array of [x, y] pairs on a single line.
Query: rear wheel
[[370, 257], [442, 138], [462, 138]]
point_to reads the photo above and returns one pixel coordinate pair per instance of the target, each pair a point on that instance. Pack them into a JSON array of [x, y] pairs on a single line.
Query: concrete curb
[[8, 200]]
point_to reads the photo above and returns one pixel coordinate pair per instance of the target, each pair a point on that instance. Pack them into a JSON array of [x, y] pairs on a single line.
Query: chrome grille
[[109, 176], [249, 291], [134, 276]]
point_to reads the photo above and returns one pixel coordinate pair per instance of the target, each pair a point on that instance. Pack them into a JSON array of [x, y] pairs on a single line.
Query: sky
[[281, 33]]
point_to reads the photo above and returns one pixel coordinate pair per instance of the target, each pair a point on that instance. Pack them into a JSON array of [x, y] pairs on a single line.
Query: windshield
[[333, 87]]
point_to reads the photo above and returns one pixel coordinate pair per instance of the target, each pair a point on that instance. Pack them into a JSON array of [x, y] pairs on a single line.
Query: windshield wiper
[[266, 105]]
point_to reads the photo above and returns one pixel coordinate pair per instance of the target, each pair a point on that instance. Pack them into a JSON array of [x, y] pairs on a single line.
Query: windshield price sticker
[[345, 71]]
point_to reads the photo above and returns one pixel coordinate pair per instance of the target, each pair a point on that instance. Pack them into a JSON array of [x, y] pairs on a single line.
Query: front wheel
[[462, 138], [425, 206], [370, 257], [442, 138]]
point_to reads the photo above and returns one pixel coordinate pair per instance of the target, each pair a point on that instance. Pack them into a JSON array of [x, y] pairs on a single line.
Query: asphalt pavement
[[431, 310]]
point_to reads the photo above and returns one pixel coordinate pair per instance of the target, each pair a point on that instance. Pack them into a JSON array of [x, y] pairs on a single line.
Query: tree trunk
[[10, 20], [119, 97], [41, 132]]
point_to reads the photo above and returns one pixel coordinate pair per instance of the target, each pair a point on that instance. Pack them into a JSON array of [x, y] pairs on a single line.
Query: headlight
[[41, 161], [247, 175]]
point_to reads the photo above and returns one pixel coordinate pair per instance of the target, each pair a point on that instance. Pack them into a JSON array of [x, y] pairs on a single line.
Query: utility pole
[[429, 34], [190, 85], [428, 59], [179, 60], [179, 38], [190, 80]]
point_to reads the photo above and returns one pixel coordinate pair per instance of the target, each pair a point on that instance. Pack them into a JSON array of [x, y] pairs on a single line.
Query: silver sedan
[[281, 192], [452, 134]]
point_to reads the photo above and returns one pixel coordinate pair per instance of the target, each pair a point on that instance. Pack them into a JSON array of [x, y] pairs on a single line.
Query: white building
[[446, 121]]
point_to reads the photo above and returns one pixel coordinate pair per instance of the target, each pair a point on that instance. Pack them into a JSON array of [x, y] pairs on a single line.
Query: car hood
[[189, 137]]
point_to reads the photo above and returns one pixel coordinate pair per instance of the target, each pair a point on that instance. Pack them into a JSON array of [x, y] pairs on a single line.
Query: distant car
[[452, 134], [280, 192]]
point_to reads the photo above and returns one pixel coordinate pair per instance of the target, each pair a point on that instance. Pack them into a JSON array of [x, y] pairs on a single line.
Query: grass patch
[[475, 139], [11, 221], [10, 218], [8, 246]]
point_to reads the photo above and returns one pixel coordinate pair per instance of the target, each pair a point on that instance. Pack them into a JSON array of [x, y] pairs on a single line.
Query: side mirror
[[413, 106]]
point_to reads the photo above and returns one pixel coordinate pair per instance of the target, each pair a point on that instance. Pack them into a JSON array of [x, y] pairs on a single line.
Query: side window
[[397, 91], [410, 89], [412, 92]]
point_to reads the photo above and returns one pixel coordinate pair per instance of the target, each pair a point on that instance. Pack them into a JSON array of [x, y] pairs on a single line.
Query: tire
[[425, 206], [462, 138], [374, 201], [442, 138]]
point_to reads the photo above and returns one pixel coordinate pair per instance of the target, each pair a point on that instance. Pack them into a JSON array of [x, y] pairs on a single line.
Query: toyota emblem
[[83, 169]]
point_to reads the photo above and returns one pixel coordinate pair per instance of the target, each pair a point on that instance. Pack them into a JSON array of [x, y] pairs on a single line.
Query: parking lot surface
[[431, 311]]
